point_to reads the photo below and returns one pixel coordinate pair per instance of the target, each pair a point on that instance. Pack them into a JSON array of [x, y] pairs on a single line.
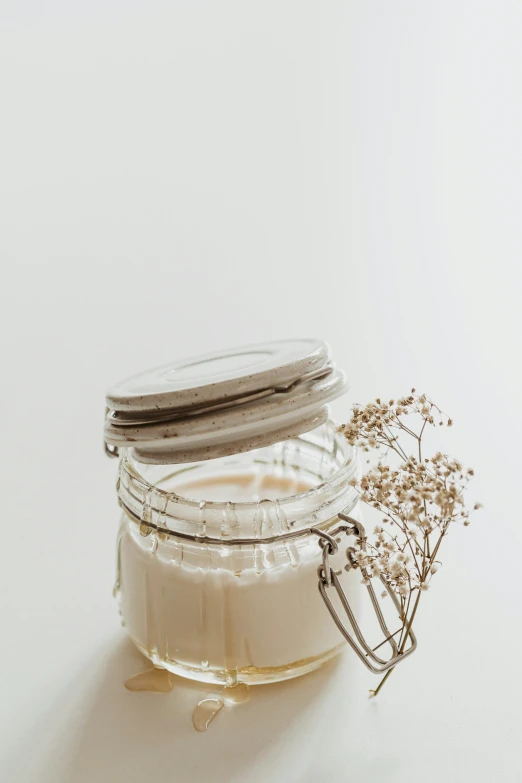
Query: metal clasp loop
[[329, 546], [329, 578]]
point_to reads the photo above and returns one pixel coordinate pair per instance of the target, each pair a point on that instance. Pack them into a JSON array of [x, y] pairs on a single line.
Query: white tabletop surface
[[179, 177]]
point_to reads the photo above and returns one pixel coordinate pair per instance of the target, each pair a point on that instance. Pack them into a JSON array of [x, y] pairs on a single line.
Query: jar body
[[212, 610]]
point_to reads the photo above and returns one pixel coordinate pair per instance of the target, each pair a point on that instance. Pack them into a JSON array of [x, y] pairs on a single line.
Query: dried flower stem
[[418, 497], [378, 688]]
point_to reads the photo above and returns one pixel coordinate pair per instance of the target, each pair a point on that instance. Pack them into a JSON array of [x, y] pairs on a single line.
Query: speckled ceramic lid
[[223, 403]]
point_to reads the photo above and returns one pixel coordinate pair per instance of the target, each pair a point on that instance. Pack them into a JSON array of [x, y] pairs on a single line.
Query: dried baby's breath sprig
[[417, 497]]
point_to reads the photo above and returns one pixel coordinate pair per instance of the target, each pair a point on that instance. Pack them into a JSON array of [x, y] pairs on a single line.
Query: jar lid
[[224, 402]]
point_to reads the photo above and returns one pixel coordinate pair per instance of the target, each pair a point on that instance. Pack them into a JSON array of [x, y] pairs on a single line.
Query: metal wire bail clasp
[[329, 546], [329, 578]]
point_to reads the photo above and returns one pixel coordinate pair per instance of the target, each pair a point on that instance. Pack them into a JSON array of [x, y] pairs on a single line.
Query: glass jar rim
[[157, 506]]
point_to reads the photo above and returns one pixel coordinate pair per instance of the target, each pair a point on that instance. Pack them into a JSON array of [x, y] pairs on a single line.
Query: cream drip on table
[[162, 681]]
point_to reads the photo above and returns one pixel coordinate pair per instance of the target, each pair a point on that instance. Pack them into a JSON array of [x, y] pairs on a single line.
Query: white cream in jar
[[249, 613]]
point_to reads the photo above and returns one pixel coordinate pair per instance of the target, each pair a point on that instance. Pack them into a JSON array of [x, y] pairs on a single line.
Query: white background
[[182, 176]]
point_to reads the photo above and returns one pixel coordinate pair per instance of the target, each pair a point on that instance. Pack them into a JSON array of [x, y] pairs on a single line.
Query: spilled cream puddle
[[158, 680], [152, 680], [205, 712]]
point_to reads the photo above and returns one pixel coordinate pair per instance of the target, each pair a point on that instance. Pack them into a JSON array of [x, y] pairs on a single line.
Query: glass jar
[[218, 567]]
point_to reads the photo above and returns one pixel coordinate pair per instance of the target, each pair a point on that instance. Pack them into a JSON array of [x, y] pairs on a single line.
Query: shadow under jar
[[231, 477]]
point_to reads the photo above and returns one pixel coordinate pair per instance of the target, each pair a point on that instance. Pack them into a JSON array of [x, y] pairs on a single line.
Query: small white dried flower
[[418, 497]]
